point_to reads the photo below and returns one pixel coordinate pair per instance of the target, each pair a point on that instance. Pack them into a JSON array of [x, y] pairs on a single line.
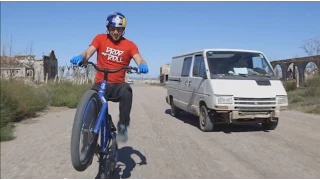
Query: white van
[[226, 86]]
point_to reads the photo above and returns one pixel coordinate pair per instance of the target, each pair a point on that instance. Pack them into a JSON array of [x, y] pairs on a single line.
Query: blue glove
[[143, 68], [77, 59]]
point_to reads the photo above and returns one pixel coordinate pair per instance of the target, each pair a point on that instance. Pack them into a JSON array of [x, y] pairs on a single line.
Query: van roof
[[216, 49]]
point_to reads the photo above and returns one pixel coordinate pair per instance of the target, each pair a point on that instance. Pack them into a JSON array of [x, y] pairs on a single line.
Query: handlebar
[[129, 68]]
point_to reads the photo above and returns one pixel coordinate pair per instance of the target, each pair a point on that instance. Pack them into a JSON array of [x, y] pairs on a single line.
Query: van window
[[258, 62], [186, 66], [198, 66], [232, 62]]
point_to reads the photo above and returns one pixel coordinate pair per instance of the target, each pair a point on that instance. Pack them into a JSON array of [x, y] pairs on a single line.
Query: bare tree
[[311, 46], [10, 45], [8, 61], [12, 62], [31, 46], [4, 50], [31, 59]]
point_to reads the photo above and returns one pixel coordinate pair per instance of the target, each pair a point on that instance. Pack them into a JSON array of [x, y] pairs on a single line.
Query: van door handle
[[190, 83]]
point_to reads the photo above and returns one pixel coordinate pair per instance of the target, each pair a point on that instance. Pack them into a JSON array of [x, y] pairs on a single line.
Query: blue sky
[[162, 29]]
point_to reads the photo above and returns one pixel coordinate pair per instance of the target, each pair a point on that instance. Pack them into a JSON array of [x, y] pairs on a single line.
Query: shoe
[[122, 135]]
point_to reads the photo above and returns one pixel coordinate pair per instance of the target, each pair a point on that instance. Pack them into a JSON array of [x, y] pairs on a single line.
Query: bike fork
[[108, 160], [107, 154]]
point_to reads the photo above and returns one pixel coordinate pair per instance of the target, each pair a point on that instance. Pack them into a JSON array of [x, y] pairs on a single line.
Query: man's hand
[[143, 68], [76, 60]]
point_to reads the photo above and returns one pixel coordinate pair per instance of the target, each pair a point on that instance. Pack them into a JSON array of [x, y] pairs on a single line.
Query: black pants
[[122, 93]]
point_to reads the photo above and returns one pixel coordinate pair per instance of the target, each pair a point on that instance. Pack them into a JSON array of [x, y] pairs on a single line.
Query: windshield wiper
[[243, 75], [258, 74]]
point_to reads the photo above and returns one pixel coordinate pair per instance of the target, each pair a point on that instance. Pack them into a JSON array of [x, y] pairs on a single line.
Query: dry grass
[[306, 99], [20, 101], [157, 84]]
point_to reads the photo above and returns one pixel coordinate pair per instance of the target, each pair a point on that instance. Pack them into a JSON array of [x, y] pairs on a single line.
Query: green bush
[[67, 94], [26, 100], [306, 99], [312, 92], [313, 81], [6, 116], [20, 101], [294, 97], [314, 109], [290, 85]]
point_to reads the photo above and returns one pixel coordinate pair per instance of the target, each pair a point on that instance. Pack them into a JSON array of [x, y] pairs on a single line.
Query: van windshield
[[238, 63]]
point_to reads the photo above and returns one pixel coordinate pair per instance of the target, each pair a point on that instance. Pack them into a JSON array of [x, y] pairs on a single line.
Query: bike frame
[[103, 118]]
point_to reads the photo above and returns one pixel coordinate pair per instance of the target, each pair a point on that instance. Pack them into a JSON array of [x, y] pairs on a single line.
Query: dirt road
[[170, 147]]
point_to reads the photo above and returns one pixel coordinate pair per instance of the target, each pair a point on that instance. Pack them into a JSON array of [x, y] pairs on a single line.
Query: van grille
[[254, 104]]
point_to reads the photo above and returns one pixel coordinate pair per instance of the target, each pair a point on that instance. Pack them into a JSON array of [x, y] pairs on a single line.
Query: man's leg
[[122, 93]]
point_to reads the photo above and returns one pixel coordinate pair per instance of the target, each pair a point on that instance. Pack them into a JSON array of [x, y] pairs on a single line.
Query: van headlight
[[224, 99], [282, 100]]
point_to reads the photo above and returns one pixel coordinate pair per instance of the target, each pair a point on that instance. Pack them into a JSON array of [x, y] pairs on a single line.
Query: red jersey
[[112, 55]]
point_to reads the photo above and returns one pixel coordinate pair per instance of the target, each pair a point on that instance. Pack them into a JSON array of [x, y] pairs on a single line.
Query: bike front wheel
[[108, 161], [84, 122]]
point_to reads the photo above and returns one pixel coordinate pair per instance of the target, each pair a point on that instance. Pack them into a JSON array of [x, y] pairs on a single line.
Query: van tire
[[175, 111], [205, 122], [270, 124]]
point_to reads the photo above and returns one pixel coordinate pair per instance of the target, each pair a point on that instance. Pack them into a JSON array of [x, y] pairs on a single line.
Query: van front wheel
[[205, 122], [270, 124]]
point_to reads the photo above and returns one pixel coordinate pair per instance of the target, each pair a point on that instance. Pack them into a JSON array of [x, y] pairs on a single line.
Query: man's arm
[[135, 54], [87, 54], [138, 59], [95, 44]]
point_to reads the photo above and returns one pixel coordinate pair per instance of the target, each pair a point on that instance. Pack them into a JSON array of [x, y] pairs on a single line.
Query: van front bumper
[[254, 112]]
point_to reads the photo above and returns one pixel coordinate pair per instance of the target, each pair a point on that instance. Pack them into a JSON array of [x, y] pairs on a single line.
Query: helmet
[[116, 19]]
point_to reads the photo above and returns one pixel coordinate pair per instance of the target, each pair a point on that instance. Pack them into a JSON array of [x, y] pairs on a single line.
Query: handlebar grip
[[83, 64]]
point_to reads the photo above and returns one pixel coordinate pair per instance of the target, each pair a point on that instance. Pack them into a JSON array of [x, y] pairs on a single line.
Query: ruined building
[[164, 73], [26, 66]]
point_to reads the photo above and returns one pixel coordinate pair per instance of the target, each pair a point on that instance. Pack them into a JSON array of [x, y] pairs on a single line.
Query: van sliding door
[[184, 94]]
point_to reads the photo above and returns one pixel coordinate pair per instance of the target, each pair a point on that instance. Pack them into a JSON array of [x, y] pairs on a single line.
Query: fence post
[[47, 78]]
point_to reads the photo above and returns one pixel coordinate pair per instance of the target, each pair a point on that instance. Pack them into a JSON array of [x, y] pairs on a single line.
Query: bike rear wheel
[[84, 122]]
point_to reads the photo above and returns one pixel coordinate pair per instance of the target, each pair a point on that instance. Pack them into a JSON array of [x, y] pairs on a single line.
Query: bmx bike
[[91, 118]]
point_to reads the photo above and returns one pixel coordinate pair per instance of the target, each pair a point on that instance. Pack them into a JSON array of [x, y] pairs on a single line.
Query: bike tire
[[76, 132], [112, 160], [107, 163]]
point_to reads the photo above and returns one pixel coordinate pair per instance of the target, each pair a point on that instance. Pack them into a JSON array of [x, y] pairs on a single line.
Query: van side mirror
[[204, 76]]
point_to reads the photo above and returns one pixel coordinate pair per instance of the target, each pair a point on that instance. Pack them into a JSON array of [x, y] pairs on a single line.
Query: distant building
[[164, 73], [26, 66]]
